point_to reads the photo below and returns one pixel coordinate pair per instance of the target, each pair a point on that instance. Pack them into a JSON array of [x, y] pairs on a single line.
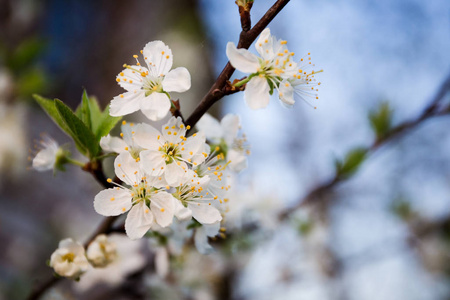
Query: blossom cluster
[[164, 174], [71, 260]]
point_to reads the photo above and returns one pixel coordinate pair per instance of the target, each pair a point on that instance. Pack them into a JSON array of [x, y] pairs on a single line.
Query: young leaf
[[80, 132], [85, 110], [351, 162], [381, 120], [49, 107], [107, 123]]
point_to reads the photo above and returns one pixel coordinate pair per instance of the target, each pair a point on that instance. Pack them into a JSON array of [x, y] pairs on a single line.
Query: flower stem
[[75, 162], [243, 81]]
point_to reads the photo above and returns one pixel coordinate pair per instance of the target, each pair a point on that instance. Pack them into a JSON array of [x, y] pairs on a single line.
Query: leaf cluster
[[86, 125]]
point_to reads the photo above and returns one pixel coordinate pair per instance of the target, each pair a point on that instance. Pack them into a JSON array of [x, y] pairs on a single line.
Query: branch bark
[[246, 38]]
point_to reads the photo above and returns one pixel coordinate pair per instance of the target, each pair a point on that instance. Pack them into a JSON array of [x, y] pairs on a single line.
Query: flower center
[[171, 152], [152, 84], [69, 257]]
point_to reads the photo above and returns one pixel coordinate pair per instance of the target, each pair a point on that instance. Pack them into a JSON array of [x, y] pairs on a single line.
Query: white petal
[[182, 213], [173, 129], [112, 144], [131, 80], [44, 160], [238, 160], [264, 45], [139, 221], [127, 168], [212, 230], [242, 59], [129, 103], [158, 56], [193, 145], [112, 202], [162, 205], [147, 137], [286, 94], [174, 173], [155, 106], [152, 162], [201, 241], [210, 127], [177, 80], [205, 213], [256, 93], [230, 124]]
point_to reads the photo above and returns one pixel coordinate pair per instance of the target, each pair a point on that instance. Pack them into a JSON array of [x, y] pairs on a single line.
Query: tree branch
[[246, 38], [434, 109]]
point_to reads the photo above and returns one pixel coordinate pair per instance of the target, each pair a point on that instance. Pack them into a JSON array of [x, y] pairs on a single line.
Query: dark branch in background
[[175, 109], [246, 38], [435, 109], [220, 88]]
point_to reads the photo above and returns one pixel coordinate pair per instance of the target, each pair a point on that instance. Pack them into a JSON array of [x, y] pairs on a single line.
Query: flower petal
[[155, 106], [173, 129], [242, 59], [238, 160], [205, 213], [127, 168], [162, 205], [139, 221], [230, 125], [112, 202], [210, 126], [152, 162], [112, 144], [158, 57], [256, 93], [129, 103], [177, 80], [147, 137], [174, 173], [131, 80], [264, 45], [182, 213], [286, 94]]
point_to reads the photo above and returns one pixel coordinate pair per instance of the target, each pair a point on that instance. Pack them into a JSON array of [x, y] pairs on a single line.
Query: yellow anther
[[167, 127], [162, 53], [217, 148], [135, 56], [124, 122], [121, 74], [188, 127], [124, 209], [191, 153], [175, 133], [126, 148], [283, 42], [121, 95], [118, 80], [194, 134], [167, 187], [287, 84], [162, 209], [147, 211], [181, 126], [112, 199], [119, 165], [169, 132], [167, 56], [109, 180]]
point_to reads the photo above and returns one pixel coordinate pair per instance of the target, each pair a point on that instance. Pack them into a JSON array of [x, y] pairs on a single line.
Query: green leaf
[[381, 120], [80, 132], [32, 81], [25, 54], [85, 110], [49, 107], [351, 162], [106, 124]]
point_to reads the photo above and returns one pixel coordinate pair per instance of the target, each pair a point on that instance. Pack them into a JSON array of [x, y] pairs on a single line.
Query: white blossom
[[226, 135], [146, 202], [101, 252], [69, 259], [148, 87], [169, 152], [46, 158], [201, 237], [273, 69]]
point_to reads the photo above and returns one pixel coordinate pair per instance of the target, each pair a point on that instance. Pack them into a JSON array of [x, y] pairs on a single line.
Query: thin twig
[[432, 110], [246, 38]]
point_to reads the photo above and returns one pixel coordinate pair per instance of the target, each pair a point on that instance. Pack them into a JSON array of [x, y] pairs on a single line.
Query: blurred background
[[380, 232]]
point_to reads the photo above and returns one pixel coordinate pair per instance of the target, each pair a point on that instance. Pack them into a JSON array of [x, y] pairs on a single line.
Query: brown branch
[[246, 38], [432, 110]]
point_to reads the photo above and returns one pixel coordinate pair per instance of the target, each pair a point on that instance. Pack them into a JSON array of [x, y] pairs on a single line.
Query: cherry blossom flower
[[273, 69], [101, 252], [69, 259], [145, 199], [169, 153], [225, 136], [148, 87], [46, 158], [195, 201]]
